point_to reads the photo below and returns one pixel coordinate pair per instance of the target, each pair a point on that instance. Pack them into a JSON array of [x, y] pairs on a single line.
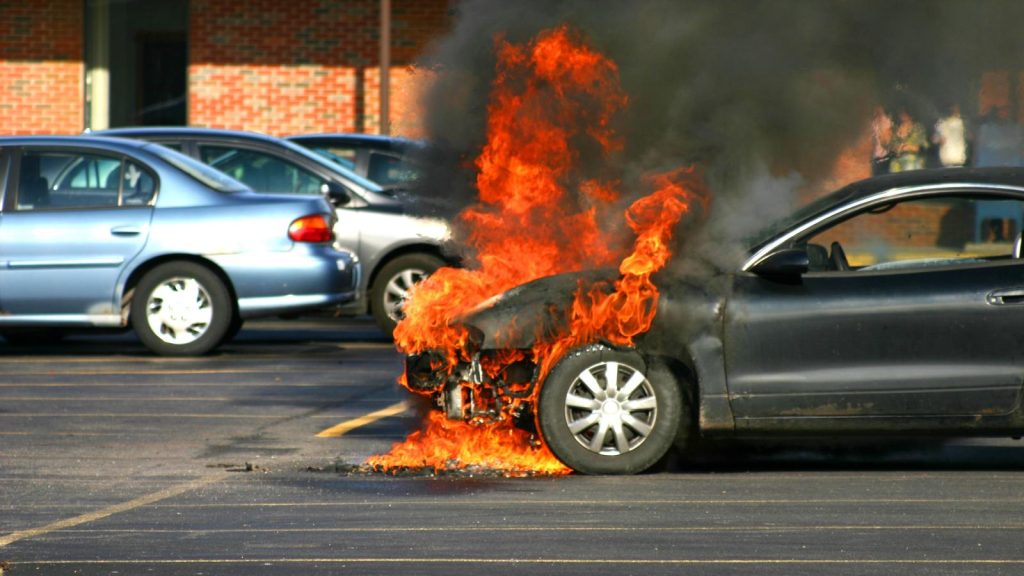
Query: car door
[[921, 319], [72, 221]]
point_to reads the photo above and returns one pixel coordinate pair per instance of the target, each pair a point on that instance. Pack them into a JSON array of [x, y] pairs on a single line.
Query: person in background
[[881, 136], [951, 138], [908, 144], [1000, 140]]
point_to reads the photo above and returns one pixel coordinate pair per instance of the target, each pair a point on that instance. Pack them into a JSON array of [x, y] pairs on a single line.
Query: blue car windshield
[[206, 175]]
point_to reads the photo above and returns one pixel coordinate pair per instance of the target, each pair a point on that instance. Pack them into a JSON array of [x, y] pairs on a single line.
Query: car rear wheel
[[181, 309], [604, 411], [233, 329], [392, 285]]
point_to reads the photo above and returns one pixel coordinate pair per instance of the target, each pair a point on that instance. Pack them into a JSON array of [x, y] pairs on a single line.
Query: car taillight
[[313, 228]]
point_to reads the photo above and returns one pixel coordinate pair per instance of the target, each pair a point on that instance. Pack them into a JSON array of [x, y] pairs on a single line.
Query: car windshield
[[326, 153], [206, 175], [805, 212], [334, 167]]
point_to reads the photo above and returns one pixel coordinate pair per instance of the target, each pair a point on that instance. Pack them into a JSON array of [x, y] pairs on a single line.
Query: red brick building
[[276, 66]]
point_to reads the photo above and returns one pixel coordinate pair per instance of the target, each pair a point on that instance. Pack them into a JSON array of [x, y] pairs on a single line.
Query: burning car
[[893, 305]]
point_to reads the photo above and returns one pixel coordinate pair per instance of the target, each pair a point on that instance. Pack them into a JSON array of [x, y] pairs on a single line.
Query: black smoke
[[763, 95]]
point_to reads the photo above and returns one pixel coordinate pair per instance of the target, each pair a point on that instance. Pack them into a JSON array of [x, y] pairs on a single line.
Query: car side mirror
[[336, 194], [787, 263]]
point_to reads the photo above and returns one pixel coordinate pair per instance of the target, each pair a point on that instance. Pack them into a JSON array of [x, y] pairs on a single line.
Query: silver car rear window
[[210, 177]]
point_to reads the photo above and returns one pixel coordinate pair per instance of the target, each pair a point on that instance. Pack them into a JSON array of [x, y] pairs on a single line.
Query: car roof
[[355, 137], [124, 144], [369, 141], [140, 131], [1007, 176], [149, 132]]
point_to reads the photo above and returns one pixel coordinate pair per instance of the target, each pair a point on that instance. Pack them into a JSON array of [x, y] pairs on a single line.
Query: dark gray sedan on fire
[[894, 305]]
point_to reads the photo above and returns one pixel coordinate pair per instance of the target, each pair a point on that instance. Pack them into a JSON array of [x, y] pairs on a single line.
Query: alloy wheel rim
[[396, 291], [611, 408], [179, 310]]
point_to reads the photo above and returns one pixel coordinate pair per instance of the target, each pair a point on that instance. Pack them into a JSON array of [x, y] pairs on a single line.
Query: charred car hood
[[531, 312]]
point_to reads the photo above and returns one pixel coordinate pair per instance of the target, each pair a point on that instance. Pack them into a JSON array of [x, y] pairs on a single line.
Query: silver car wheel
[[179, 310], [611, 408], [397, 290]]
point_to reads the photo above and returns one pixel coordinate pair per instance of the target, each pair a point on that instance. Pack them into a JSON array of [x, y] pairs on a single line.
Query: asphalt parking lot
[[114, 461]]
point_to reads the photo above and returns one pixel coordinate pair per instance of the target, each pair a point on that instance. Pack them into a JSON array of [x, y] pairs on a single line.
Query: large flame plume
[[537, 217]]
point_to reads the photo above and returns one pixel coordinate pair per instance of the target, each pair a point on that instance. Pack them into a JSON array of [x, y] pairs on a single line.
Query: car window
[[261, 171], [65, 179], [137, 185], [388, 169], [923, 232], [343, 156], [349, 175], [215, 179]]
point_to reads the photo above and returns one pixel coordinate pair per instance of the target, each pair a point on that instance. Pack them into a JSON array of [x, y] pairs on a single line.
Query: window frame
[[12, 190], [836, 217], [230, 148]]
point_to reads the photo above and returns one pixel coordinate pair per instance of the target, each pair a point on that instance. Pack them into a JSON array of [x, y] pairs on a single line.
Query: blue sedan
[[106, 232]]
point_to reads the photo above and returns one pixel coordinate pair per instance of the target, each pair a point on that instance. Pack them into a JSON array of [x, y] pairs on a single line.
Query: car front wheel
[[605, 411], [181, 309], [392, 285]]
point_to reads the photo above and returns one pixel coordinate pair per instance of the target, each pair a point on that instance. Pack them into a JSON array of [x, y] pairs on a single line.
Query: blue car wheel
[[181, 309]]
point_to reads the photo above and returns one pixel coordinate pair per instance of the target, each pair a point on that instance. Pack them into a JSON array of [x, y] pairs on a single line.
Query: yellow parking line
[[50, 371], [389, 560], [111, 510], [67, 415], [341, 429]]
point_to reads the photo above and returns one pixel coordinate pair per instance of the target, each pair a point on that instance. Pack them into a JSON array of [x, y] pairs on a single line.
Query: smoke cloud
[[763, 95]]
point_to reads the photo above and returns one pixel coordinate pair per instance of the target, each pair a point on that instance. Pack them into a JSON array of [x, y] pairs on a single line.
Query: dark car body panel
[[531, 312], [934, 347], [923, 345]]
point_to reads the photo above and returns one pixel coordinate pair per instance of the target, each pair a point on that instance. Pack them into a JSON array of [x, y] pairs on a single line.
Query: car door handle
[[126, 230], [1012, 296]]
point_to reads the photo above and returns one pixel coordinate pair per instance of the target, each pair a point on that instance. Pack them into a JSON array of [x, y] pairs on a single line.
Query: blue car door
[[72, 222]]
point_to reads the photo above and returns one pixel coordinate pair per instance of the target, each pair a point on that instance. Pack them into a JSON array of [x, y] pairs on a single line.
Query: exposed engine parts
[[485, 389]]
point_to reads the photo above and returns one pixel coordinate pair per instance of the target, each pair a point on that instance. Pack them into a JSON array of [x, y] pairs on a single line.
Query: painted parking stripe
[[157, 496], [539, 561], [341, 429]]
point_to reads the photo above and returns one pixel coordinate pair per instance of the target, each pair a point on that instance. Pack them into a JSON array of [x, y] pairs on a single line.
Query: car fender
[[715, 412]]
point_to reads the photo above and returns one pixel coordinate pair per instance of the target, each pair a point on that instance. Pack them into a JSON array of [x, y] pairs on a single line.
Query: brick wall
[[41, 52], [305, 65]]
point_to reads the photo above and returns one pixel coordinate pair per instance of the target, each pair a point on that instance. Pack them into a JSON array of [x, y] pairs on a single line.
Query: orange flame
[[529, 224], [629, 309], [525, 226]]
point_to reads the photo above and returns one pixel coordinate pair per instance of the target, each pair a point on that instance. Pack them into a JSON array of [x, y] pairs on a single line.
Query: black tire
[[393, 279], [648, 416], [233, 330], [193, 326]]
